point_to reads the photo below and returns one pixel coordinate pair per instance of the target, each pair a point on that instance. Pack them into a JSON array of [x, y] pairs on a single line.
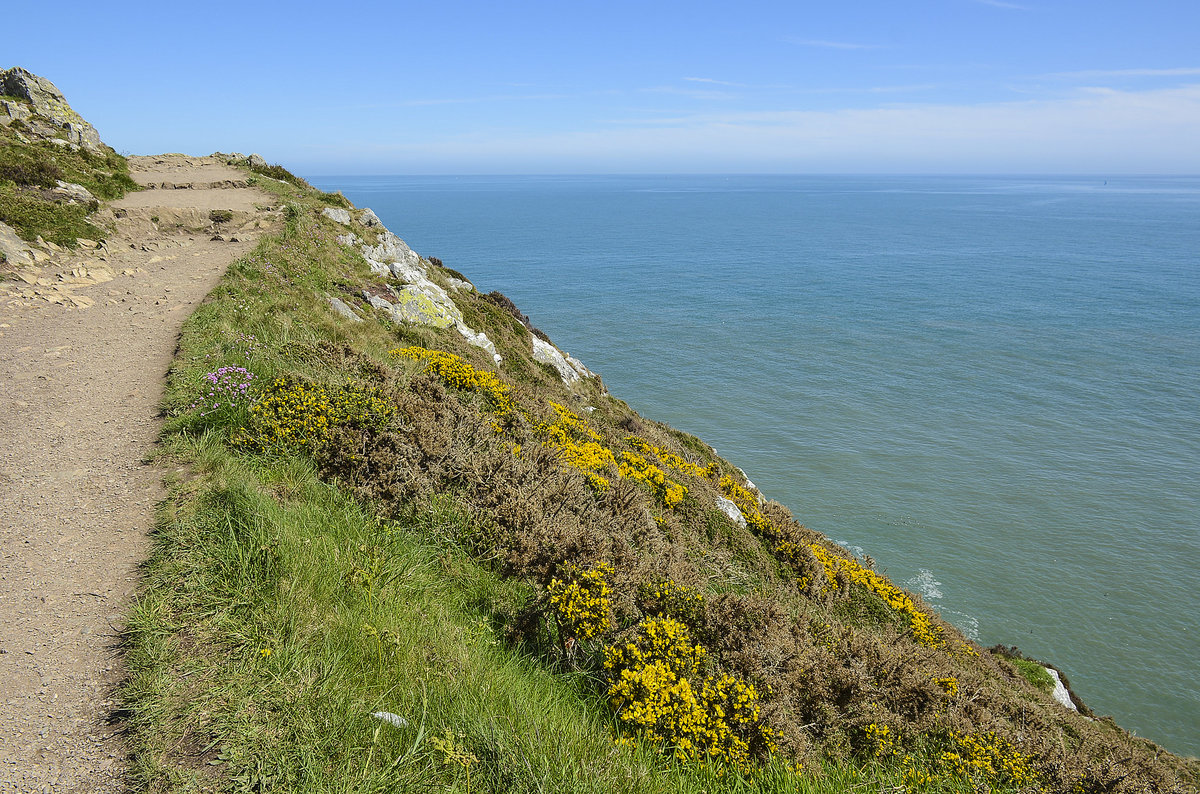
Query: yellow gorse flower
[[659, 688], [989, 759], [460, 375], [671, 460], [581, 602], [291, 416], [881, 739], [578, 446]]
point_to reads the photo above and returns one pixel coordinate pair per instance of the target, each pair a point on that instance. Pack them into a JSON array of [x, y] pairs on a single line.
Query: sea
[[988, 384]]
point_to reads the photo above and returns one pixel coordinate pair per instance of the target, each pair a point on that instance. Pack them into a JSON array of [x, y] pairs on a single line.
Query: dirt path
[[85, 341]]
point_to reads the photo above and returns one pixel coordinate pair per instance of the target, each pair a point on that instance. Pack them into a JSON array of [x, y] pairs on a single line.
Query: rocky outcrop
[[13, 249], [419, 299], [73, 193], [570, 369], [43, 110]]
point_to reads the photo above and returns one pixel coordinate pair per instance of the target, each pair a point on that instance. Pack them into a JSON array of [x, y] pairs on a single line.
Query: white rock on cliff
[[1061, 694], [570, 369], [727, 507], [336, 214], [420, 299]]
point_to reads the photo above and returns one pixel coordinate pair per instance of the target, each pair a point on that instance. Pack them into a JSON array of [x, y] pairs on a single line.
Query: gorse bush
[[661, 689], [578, 446], [290, 416], [581, 602], [461, 375]]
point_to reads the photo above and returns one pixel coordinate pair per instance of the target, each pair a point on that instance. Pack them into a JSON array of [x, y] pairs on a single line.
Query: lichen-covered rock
[[339, 215], [420, 299], [411, 305], [48, 113]]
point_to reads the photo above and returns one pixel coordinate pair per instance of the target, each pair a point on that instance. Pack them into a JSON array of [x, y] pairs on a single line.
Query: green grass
[[1034, 673], [277, 616], [27, 170], [31, 215]]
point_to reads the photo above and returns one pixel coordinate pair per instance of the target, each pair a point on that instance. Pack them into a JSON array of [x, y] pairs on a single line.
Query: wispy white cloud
[[713, 82], [692, 93], [1095, 131], [1090, 74], [872, 89], [832, 45], [1002, 4]]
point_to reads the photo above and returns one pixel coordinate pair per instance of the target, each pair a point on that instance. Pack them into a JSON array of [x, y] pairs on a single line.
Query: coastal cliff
[[411, 543]]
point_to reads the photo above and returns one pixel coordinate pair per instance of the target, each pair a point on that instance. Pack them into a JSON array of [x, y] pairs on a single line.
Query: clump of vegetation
[[533, 575], [281, 174], [30, 170], [292, 416], [659, 689], [220, 216]]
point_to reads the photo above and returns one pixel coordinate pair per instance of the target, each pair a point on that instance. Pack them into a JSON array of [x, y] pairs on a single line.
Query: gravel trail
[[85, 341]]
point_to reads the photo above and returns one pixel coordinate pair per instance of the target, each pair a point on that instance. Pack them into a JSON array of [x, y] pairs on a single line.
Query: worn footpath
[[86, 337]]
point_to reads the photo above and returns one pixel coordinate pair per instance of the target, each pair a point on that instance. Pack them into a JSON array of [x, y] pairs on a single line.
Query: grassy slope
[[287, 600], [29, 168]]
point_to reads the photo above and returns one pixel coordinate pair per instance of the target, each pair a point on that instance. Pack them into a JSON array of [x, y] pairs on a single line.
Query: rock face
[[418, 299], [44, 110], [570, 369], [1061, 693]]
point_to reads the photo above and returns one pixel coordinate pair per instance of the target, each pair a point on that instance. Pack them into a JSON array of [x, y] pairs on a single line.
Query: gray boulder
[[343, 309], [727, 507], [73, 193], [339, 215], [15, 250]]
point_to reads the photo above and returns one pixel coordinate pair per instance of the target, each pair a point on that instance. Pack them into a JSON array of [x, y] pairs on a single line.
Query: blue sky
[[926, 86]]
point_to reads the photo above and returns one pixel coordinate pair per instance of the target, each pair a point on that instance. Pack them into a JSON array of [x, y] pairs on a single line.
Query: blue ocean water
[[987, 384]]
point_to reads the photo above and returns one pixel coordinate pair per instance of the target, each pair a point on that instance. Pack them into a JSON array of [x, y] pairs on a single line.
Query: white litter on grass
[[394, 719]]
